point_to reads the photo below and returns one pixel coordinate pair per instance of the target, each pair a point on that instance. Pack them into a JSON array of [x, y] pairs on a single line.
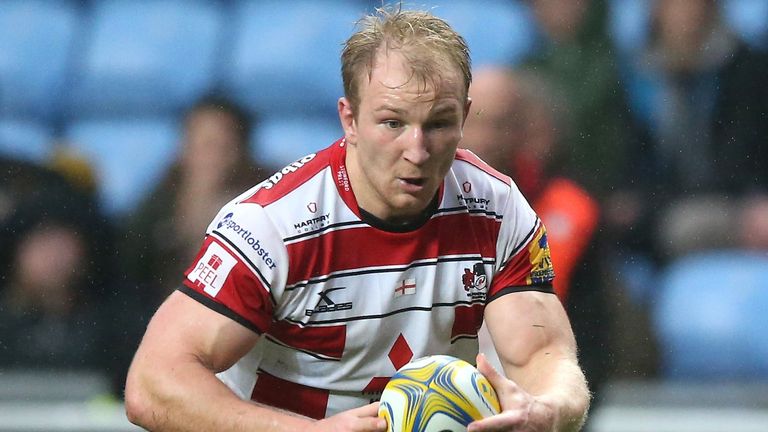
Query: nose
[[416, 147]]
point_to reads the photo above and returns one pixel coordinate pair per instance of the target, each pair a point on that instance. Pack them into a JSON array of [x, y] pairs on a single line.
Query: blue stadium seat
[[146, 57], [36, 41], [280, 141], [129, 156], [628, 22], [497, 31], [749, 19], [285, 55], [25, 139], [711, 317]]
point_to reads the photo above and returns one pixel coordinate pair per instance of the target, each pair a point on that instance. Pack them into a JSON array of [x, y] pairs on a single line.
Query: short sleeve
[[524, 262], [241, 262]]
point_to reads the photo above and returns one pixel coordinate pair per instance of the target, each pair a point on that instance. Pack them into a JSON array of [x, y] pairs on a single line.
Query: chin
[[409, 205]]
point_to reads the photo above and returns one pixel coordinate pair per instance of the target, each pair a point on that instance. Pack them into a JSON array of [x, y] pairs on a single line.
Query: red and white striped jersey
[[341, 301]]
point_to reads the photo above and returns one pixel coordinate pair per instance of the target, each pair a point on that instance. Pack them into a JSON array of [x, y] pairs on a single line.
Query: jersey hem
[[220, 308], [545, 288]]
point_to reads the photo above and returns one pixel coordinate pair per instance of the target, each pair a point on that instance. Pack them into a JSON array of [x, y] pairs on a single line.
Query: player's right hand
[[363, 419]]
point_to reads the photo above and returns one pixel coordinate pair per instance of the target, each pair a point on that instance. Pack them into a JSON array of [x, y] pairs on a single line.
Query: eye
[[440, 124], [392, 124]]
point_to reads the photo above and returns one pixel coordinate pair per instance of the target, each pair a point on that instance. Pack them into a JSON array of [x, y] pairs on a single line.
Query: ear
[[467, 105], [347, 118]]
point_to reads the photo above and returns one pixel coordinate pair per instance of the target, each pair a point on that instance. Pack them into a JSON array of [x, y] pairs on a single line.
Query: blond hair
[[429, 44]]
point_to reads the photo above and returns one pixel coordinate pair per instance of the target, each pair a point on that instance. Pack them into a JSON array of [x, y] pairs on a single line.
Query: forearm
[[189, 397], [566, 394]]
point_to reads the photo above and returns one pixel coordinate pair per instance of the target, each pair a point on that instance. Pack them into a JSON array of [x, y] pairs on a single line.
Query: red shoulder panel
[[292, 176], [468, 156]]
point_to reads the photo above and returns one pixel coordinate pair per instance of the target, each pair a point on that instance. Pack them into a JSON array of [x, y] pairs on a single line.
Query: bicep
[[530, 330], [184, 329]]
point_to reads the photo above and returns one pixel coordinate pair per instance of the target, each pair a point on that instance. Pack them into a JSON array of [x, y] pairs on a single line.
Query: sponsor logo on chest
[[473, 202], [313, 223], [326, 304], [475, 282]]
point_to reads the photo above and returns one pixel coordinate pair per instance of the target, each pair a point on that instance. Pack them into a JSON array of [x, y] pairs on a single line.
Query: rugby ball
[[437, 394]]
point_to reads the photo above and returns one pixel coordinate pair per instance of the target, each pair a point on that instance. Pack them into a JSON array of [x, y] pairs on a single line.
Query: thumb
[[497, 380], [486, 368]]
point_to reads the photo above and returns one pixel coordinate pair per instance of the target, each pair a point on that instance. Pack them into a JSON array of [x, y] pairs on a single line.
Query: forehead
[[394, 78]]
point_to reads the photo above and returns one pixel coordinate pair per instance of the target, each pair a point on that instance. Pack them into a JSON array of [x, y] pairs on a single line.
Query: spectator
[[575, 55], [213, 167], [58, 305], [515, 125], [695, 90]]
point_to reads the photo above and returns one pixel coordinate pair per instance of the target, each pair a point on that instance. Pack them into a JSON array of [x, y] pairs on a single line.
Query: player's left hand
[[520, 411]]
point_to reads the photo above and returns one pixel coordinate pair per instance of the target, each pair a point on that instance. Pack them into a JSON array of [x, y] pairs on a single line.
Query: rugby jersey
[[342, 303]]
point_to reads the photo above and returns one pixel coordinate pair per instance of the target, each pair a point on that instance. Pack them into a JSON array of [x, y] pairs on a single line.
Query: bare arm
[[172, 385], [546, 389]]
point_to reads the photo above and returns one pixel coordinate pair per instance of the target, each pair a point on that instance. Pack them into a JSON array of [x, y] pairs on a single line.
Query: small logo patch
[[541, 259], [325, 304], [406, 287], [212, 269], [475, 281]]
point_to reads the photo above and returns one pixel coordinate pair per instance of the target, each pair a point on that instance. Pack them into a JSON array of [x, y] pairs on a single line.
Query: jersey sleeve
[[523, 257], [240, 265]]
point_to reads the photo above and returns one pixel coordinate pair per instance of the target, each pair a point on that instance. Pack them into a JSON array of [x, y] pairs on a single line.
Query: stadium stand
[[36, 41], [109, 79], [27, 140], [145, 57], [710, 317], [129, 155], [280, 141], [499, 32], [277, 45]]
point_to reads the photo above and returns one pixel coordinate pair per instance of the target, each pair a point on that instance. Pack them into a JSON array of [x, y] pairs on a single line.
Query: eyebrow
[[390, 108], [444, 109]]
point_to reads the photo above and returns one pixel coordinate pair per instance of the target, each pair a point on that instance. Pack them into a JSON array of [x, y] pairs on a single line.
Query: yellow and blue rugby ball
[[437, 394]]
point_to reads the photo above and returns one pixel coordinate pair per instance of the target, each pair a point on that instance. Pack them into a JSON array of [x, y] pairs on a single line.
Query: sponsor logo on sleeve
[[230, 224], [542, 270], [212, 270]]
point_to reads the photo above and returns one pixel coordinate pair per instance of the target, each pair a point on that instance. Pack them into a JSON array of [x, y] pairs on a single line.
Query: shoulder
[[291, 177], [472, 178], [469, 163]]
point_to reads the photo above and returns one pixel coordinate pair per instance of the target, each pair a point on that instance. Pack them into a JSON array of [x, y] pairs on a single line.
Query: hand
[[363, 419], [520, 411]]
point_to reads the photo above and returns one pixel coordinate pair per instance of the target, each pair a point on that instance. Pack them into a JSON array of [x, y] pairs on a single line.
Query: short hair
[[429, 44]]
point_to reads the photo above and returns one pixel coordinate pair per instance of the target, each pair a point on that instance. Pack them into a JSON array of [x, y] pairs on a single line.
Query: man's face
[[402, 138], [211, 143], [494, 127]]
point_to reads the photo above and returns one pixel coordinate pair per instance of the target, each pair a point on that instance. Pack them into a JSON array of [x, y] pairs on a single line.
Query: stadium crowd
[[640, 153]]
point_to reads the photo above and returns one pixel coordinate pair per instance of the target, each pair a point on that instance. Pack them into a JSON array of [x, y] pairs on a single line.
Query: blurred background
[[638, 129]]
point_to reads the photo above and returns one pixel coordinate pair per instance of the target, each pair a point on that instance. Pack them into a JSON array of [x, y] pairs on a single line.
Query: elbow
[[137, 405]]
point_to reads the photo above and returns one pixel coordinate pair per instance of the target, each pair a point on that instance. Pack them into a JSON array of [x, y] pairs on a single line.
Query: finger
[[372, 424], [370, 410], [506, 421]]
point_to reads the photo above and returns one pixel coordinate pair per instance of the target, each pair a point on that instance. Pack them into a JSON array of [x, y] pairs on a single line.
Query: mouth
[[416, 181], [412, 184]]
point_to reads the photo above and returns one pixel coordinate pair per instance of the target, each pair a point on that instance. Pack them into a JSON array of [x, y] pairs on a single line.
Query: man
[[517, 125], [384, 247]]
